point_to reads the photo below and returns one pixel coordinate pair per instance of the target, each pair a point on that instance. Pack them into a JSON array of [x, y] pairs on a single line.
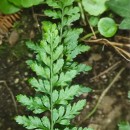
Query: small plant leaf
[[124, 126], [65, 78], [67, 94], [55, 96], [107, 27], [83, 68], [53, 14], [93, 21], [78, 50], [71, 10], [40, 71], [58, 66], [71, 19], [37, 84], [83, 90], [121, 7], [44, 58], [71, 112], [32, 122], [55, 115], [34, 104], [25, 4], [32, 46], [58, 52], [7, 7], [46, 47], [67, 3], [94, 7], [80, 128], [61, 111], [54, 4], [125, 24]]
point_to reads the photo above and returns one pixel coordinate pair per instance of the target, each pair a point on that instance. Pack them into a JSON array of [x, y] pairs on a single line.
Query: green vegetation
[[53, 105], [124, 125], [13, 6], [107, 27], [55, 69], [121, 7], [94, 7]]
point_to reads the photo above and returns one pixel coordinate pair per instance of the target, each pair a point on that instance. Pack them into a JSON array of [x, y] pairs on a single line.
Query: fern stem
[[61, 29], [51, 86]]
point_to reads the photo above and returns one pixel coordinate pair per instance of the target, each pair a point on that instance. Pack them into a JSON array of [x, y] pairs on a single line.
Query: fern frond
[[55, 70], [37, 104], [34, 122]]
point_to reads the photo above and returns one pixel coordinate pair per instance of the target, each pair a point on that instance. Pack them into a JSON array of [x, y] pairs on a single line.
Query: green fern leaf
[[78, 50], [34, 122], [71, 10], [65, 78], [70, 112], [39, 70], [36, 104], [67, 2], [67, 94], [53, 3], [80, 128], [55, 70], [124, 126], [40, 85], [58, 66], [44, 58], [54, 14], [45, 46], [58, 52], [64, 95], [68, 21]]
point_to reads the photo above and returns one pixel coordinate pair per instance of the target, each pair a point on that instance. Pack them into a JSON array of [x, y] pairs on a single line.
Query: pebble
[[16, 80], [26, 73], [17, 72]]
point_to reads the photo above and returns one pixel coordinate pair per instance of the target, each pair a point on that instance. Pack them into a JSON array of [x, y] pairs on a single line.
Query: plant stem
[[51, 85], [62, 18], [88, 36], [51, 70], [82, 13]]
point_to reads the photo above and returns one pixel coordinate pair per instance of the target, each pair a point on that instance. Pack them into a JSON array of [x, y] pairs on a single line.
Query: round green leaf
[[94, 7], [107, 27], [26, 3], [8, 8], [93, 21], [16, 3]]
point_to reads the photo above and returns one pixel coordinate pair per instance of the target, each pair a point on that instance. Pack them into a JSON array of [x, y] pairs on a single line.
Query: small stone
[[26, 73], [17, 72], [16, 81], [13, 38]]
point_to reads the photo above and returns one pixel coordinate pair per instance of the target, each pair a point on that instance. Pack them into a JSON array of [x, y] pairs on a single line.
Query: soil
[[14, 73]]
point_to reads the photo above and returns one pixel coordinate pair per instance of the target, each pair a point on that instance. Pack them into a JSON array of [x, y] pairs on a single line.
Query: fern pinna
[[55, 71]]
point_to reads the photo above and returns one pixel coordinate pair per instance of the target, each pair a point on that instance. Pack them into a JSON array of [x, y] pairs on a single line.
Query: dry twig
[[102, 95], [106, 71], [117, 46], [11, 93]]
